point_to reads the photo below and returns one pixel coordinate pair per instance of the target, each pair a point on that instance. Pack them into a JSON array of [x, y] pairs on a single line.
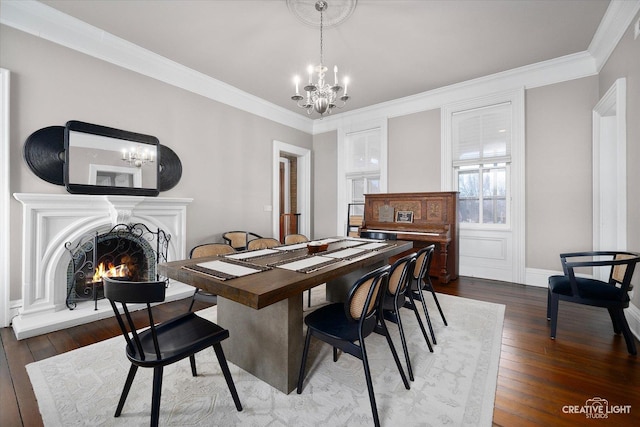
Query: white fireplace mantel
[[51, 220]]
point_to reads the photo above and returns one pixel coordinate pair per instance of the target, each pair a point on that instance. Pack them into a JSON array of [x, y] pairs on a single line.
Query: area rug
[[454, 386]]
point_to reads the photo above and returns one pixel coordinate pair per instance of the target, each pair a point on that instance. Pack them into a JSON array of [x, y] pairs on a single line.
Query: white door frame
[[610, 171], [5, 200], [304, 185]]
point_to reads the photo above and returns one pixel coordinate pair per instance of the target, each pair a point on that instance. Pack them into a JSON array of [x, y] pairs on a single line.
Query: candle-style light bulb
[[124, 154], [310, 70], [335, 75], [296, 79], [346, 83]]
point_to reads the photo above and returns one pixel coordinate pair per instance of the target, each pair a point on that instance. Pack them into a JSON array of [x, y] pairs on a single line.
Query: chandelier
[[137, 158], [320, 96]]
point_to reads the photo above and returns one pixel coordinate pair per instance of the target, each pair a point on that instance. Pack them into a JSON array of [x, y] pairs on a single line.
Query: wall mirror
[[104, 160]]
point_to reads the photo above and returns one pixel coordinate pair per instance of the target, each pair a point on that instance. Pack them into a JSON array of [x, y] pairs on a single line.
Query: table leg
[[268, 342]]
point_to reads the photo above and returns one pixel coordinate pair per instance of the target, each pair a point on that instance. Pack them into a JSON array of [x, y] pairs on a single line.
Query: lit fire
[[111, 271]]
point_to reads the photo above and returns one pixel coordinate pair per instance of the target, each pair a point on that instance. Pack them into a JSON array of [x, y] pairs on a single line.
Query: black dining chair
[[397, 296], [422, 282], [206, 250], [161, 344], [343, 324], [612, 294]]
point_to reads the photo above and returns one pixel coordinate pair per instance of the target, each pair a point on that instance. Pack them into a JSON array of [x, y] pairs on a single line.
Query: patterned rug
[[454, 386]]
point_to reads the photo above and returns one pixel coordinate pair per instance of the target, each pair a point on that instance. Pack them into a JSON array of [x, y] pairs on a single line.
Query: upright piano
[[425, 219]]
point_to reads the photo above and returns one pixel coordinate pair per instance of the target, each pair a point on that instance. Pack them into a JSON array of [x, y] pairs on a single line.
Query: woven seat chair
[[422, 282], [206, 250], [398, 296], [262, 243], [238, 239], [162, 344], [343, 324], [291, 239]]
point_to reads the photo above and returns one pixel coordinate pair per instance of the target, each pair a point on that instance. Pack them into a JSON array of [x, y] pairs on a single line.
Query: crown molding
[[50, 24], [544, 73], [43, 21], [614, 24]]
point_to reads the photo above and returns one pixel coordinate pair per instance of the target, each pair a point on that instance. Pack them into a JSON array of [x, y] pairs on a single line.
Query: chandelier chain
[[321, 41]]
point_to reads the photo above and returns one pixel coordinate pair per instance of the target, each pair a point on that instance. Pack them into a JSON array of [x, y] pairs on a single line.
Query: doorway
[[291, 185]]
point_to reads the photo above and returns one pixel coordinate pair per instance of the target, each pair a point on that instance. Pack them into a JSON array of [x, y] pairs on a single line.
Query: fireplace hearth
[[132, 251]]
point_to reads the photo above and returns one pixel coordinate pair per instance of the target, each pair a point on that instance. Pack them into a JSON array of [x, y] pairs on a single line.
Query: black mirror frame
[[78, 126]]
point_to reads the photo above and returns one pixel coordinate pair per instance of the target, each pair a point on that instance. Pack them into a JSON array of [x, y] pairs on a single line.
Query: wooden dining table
[[260, 296]]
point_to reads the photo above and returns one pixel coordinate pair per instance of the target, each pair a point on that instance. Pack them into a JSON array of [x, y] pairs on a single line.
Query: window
[[362, 165], [361, 168], [483, 193], [481, 160]]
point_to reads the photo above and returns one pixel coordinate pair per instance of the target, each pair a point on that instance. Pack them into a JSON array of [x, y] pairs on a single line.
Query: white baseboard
[[633, 317], [538, 277]]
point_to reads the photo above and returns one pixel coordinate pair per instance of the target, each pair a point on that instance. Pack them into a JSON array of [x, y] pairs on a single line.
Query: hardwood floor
[[537, 376]]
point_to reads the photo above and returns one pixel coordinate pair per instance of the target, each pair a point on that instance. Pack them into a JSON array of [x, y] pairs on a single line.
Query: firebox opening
[[125, 251]]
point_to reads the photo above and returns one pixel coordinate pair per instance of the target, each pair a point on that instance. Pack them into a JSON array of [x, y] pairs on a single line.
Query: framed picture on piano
[[404, 216]]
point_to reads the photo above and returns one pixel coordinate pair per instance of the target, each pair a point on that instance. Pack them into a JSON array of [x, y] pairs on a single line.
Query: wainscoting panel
[[486, 254]]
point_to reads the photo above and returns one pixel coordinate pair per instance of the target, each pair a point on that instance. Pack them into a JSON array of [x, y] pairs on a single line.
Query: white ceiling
[[388, 48]]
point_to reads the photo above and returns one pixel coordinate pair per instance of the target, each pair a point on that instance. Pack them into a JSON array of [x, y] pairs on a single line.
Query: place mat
[[347, 243], [309, 264], [222, 270], [252, 254], [293, 247], [347, 253], [374, 246], [329, 240]]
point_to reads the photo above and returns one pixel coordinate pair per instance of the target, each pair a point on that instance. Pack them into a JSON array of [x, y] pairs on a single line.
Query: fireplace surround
[[51, 220]]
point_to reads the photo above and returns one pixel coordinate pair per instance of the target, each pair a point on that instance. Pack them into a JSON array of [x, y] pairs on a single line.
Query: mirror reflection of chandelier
[[137, 158], [320, 96]]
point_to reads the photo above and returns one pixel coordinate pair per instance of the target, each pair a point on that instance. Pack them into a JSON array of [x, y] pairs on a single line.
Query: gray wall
[[223, 150], [414, 152], [325, 184], [558, 170]]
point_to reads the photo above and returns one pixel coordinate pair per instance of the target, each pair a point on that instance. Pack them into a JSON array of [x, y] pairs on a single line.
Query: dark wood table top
[[275, 284]]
